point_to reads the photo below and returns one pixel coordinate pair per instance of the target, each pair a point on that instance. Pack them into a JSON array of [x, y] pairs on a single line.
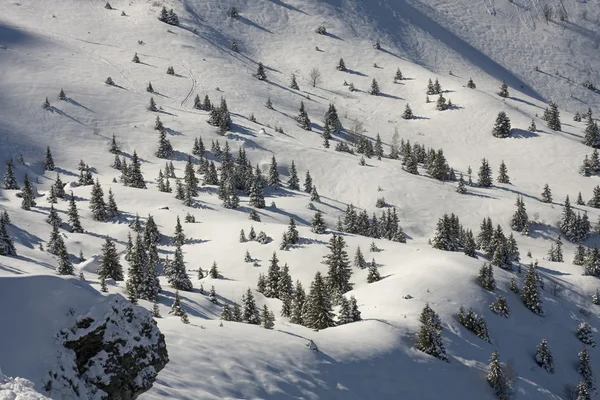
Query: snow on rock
[[79, 342], [18, 389]]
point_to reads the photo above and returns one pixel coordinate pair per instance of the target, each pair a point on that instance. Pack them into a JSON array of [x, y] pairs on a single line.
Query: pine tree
[[341, 65], [582, 392], [579, 258], [55, 242], [49, 162], [502, 128], [585, 370], [553, 119], [500, 307], [318, 313], [585, 334], [496, 378], [111, 207], [152, 105], [520, 220], [471, 84], [213, 273], [10, 181], [178, 277], [373, 275], [110, 267], [485, 174], [135, 178], [530, 293], [374, 88], [503, 90], [292, 232], [293, 83], [261, 75], [359, 260], [165, 149], [461, 188], [273, 179], [532, 127], [339, 273], [7, 247], [314, 195], [250, 313], [543, 357], [293, 182], [303, 119], [176, 309], [318, 223], [53, 218], [65, 267], [398, 77], [257, 198], [179, 235], [547, 194], [486, 277], [429, 337], [408, 114], [27, 195], [441, 104], [97, 204], [503, 174]]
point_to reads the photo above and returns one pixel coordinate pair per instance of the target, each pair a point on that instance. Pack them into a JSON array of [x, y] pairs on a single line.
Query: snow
[[76, 45], [18, 389]]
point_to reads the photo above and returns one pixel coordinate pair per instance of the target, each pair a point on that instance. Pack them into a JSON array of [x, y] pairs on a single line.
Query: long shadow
[[353, 72], [333, 36], [289, 7], [12, 270], [172, 132], [408, 15], [75, 103], [161, 111], [53, 110], [65, 172], [525, 102], [390, 96], [518, 133], [24, 237], [253, 24]]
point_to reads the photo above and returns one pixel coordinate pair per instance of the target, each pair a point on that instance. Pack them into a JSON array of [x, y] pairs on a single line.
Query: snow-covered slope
[[76, 45]]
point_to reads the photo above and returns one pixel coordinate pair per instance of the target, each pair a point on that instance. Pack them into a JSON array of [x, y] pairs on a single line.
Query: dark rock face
[[114, 352]]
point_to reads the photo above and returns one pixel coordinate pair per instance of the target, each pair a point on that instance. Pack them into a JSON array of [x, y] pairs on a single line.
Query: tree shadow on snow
[[75, 103], [522, 133], [253, 24]]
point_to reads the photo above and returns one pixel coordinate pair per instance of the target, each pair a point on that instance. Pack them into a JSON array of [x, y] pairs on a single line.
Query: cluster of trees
[[574, 226], [249, 312], [7, 247], [473, 322], [387, 226], [591, 132], [434, 88], [261, 238], [552, 117], [591, 164], [101, 210], [432, 160], [168, 17], [502, 251], [220, 117]]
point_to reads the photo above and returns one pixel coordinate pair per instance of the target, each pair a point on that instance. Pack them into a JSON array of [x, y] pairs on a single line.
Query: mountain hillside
[[76, 45]]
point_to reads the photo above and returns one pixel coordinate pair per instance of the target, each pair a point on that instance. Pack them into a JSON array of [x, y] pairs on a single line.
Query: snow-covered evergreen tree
[[267, 318], [110, 266], [530, 293], [585, 370], [585, 334], [485, 174], [429, 337], [374, 88], [500, 307], [373, 275], [502, 128], [178, 277], [97, 204], [250, 313], [503, 90], [261, 75], [496, 378], [7, 247], [27, 195], [486, 277], [547, 194], [553, 117], [543, 357], [294, 181], [10, 180], [65, 267], [339, 272], [317, 313], [213, 273], [503, 174], [165, 149]]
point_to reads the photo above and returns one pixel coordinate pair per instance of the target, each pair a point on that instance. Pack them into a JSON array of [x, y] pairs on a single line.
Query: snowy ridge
[[77, 45]]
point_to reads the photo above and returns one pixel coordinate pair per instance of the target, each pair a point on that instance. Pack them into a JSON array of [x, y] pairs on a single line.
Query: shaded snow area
[[78, 336]]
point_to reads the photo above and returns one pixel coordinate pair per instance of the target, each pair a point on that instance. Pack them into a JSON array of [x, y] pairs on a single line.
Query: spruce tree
[[111, 207], [165, 149], [250, 313], [373, 275], [27, 195], [520, 220], [65, 267], [398, 77], [502, 128], [485, 174], [273, 179], [314, 195], [547, 194], [429, 337], [318, 223], [10, 181], [503, 173], [298, 302], [553, 119], [97, 204], [293, 83], [261, 75], [341, 65], [135, 178], [303, 119], [582, 392], [543, 357], [486, 277], [471, 84], [500, 307], [55, 242], [267, 318], [496, 378], [374, 88], [530, 293], [585, 334], [503, 90], [179, 235], [178, 277], [307, 182], [7, 247], [408, 114], [339, 272], [318, 313], [48, 162], [110, 267], [213, 273], [293, 182], [585, 370]]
